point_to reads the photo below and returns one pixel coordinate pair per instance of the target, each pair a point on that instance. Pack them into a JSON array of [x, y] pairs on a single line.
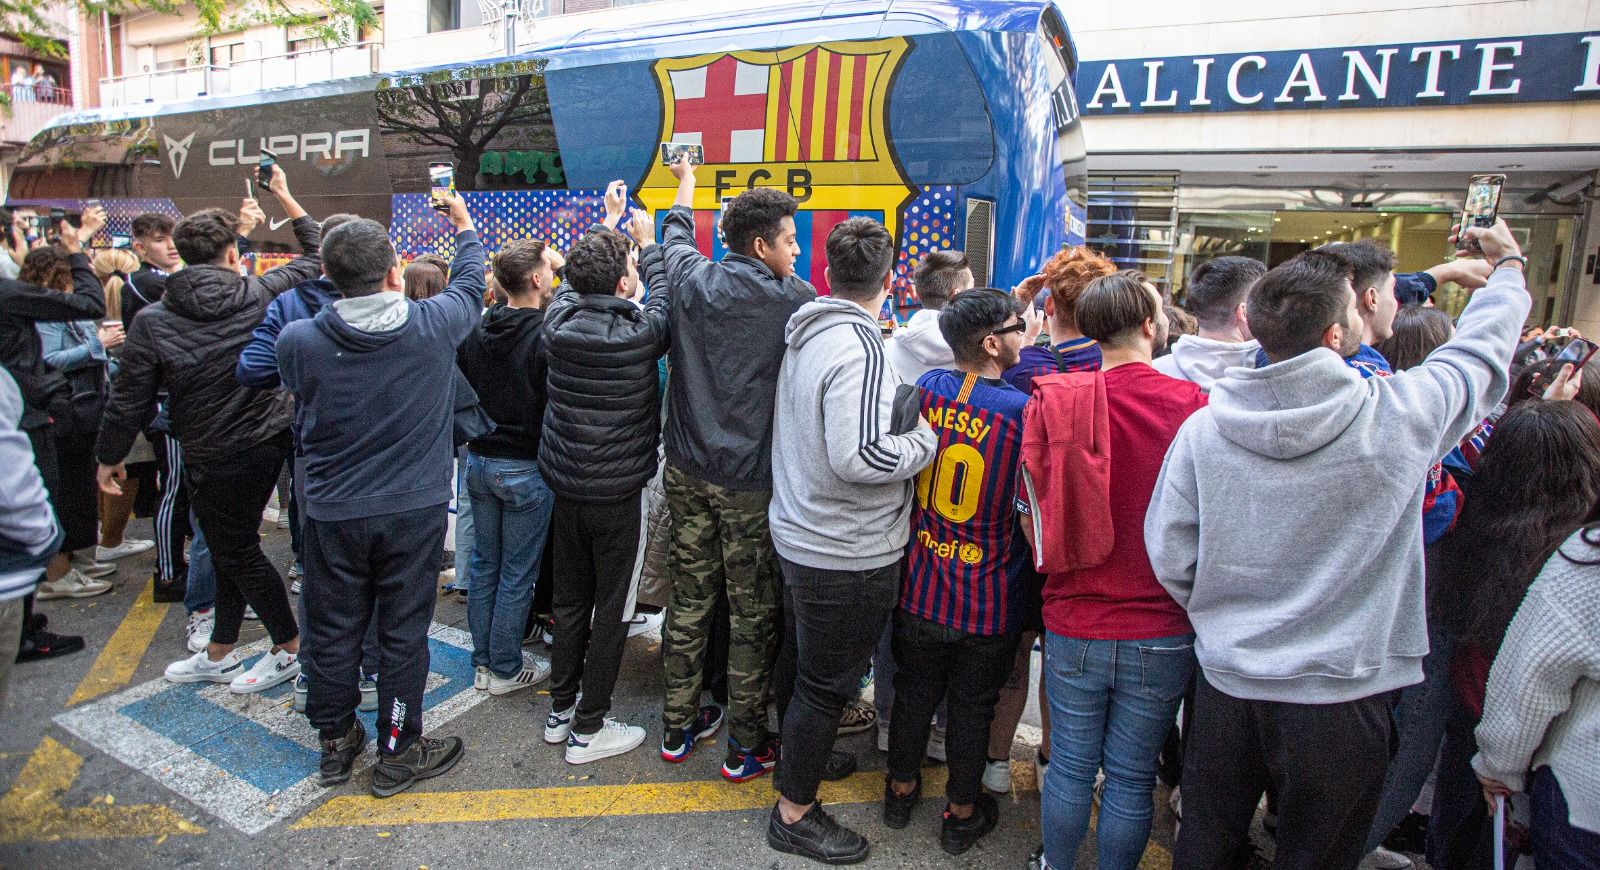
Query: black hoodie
[[502, 361]]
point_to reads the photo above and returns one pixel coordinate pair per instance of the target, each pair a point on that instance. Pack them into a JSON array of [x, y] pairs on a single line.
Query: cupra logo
[[178, 151]]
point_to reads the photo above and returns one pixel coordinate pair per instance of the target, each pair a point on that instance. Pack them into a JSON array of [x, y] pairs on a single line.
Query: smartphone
[[441, 183], [1483, 200], [1579, 352], [92, 203], [671, 150], [249, 189], [121, 240], [269, 162]]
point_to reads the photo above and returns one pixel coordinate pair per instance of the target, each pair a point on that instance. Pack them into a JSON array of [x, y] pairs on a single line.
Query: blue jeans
[[464, 524], [1557, 843], [201, 593], [1111, 705], [511, 506]]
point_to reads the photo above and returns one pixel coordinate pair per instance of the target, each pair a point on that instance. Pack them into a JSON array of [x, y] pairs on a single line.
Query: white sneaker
[[199, 669], [128, 547], [613, 738], [646, 623], [301, 694], [1041, 766], [294, 586], [369, 693], [198, 632], [936, 744], [480, 677], [90, 568], [524, 678], [558, 724], [250, 613], [1175, 802], [268, 671], [72, 585], [1384, 859], [997, 776]]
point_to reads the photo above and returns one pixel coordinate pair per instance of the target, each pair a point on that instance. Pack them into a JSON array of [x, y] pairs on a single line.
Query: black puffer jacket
[[602, 419], [188, 345]]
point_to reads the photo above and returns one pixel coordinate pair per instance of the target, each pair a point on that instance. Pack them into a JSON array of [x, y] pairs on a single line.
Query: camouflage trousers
[[719, 542]]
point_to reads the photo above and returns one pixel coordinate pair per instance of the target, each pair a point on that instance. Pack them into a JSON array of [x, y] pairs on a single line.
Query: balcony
[[30, 111], [244, 76]]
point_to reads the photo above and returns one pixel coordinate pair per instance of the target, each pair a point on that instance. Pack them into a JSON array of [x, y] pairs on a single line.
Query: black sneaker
[[817, 836], [678, 743], [897, 808], [1411, 835], [840, 765], [425, 759], [958, 835], [44, 645], [339, 756]]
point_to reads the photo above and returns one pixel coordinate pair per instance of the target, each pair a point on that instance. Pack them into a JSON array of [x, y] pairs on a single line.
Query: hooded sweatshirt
[[919, 347], [374, 376], [841, 483], [1203, 360], [503, 361], [1303, 577]]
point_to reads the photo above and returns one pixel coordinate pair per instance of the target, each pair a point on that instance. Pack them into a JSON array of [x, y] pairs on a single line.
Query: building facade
[[1263, 129]]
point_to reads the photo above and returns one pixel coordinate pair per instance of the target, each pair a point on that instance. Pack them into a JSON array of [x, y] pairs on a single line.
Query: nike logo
[[273, 225]]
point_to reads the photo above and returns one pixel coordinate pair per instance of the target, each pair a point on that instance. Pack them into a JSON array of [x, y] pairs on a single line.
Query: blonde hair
[[106, 265]]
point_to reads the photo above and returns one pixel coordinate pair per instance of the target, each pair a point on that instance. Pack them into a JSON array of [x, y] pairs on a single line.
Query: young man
[[1131, 646], [503, 360], [188, 344], [840, 516], [1305, 629], [373, 373], [918, 347], [727, 324], [602, 422], [955, 629], [1064, 277], [1216, 297]]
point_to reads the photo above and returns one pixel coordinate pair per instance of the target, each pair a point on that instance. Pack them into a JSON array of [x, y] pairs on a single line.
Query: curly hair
[[47, 266], [1068, 274], [204, 237], [756, 213], [598, 261]]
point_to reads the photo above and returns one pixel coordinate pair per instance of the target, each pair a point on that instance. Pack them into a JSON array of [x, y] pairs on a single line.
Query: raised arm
[[258, 360], [653, 271], [307, 232], [682, 255], [462, 300]]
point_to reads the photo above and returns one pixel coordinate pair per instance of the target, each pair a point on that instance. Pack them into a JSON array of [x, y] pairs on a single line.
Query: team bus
[[953, 122]]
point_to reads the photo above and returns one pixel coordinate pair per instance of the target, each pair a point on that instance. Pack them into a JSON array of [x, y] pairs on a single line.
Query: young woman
[[112, 268], [1538, 479]]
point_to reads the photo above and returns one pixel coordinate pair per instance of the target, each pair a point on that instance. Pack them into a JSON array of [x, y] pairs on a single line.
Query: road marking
[[249, 760], [32, 810], [114, 667], [574, 802]]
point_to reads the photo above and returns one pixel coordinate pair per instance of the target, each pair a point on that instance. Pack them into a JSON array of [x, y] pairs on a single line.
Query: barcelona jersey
[[966, 552]]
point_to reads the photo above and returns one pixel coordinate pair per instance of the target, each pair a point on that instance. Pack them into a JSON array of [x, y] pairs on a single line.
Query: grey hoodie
[[1303, 576], [1203, 360], [919, 347], [841, 484]]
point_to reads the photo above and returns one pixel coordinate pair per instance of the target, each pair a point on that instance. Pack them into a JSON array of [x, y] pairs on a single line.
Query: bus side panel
[[1027, 184], [607, 119]]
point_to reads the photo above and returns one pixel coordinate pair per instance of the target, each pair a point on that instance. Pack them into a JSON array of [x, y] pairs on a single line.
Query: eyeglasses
[[1019, 326]]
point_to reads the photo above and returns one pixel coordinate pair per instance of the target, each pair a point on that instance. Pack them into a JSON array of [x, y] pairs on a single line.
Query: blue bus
[[953, 122]]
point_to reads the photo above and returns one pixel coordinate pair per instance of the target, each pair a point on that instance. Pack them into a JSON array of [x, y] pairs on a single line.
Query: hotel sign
[[1523, 69]]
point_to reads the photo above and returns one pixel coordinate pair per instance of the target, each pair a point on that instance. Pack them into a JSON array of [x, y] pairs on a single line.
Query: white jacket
[[1203, 360], [919, 347]]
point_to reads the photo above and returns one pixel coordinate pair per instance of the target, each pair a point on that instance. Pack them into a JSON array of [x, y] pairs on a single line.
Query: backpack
[[1066, 471]]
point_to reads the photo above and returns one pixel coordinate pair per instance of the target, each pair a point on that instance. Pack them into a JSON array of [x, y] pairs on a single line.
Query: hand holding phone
[[441, 185], [672, 151], [266, 168], [1491, 243]]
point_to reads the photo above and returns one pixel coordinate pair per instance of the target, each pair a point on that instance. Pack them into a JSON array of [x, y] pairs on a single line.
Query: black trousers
[[228, 498], [381, 568], [172, 510], [77, 497], [932, 661], [597, 553], [832, 621], [1325, 761]]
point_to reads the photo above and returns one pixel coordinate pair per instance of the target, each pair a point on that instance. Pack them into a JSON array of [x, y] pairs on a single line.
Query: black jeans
[[832, 622], [228, 498], [933, 660], [1326, 762], [381, 568], [598, 548]]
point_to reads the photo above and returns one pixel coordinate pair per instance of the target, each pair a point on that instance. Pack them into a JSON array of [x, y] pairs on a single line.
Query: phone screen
[[1483, 200], [441, 183], [671, 150], [120, 240], [1577, 351], [264, 170]]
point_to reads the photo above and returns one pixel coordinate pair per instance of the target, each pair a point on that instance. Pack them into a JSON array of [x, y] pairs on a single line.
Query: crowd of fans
[[1302, 538]]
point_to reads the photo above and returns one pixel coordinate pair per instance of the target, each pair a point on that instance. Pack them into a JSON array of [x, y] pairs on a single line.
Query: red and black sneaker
[[744, 765], [45, 645]]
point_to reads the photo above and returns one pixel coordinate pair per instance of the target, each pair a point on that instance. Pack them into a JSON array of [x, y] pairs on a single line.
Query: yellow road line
[[114, 667], [31, 811], [574, 802]]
